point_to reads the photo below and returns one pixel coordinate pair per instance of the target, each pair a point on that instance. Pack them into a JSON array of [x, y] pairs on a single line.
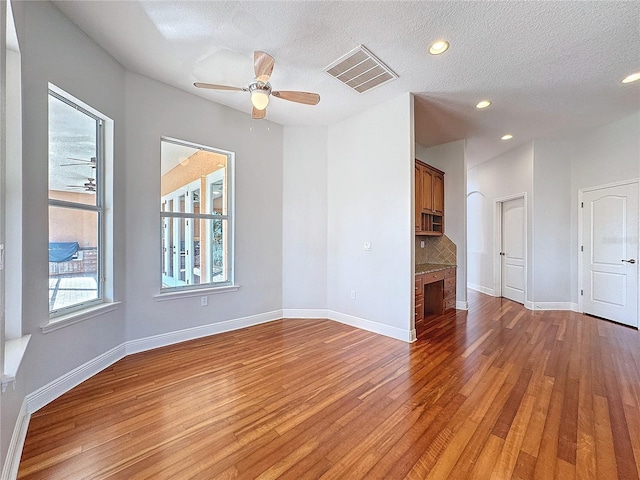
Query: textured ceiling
[[550, 68]]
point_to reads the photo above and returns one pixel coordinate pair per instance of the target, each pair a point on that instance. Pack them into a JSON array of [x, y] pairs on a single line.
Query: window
[[76, 201], [196, 212]]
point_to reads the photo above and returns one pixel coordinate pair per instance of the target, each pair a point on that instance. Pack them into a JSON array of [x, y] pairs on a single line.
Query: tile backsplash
[[436, 250]]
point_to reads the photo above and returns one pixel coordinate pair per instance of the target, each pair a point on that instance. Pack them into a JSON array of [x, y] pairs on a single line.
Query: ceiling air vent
[[360, 70]]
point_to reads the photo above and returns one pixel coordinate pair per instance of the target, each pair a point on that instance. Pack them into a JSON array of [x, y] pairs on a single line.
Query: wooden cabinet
[[429, 200], [419, 315], [449, 292], [435, 294], [418, 187]]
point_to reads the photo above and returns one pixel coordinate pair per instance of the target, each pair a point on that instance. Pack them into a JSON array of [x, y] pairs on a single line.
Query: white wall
[[556, 169], [551, 223], [509, 174], [154, 110], [304, 218], [54, 50], [450, 158], [604, 155], [13, 197], [370, 177]]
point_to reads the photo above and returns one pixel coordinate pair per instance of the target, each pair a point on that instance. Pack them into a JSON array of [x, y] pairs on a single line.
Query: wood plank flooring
[[498, 392]]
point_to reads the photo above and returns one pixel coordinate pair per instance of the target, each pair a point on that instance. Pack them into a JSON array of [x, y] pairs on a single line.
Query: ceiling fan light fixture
[[631, 78], [260, 99], [260, 88], [438, 47]]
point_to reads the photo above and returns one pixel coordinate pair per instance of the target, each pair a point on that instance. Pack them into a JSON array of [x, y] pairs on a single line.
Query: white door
[[610, 253], [512, 252]]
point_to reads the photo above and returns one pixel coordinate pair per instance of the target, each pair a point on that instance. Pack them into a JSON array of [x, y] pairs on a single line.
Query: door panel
[[418, 197], [513, 250], [608, 288], [515, 277], [427, 190], [438, 193], [610, 237]]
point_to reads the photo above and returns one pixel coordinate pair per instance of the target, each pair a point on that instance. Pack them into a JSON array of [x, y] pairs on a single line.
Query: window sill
[[161, 297], [76, 317], [13, 353]]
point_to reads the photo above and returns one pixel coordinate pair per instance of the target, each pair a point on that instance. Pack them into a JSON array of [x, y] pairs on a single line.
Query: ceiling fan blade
[[258, 114], [213, 86], [300, 97], [262, 65], [92, 161]]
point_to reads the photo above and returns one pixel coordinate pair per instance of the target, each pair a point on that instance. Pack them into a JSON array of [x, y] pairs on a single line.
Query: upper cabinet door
[[418, 198], [438, 193], [427, 190]]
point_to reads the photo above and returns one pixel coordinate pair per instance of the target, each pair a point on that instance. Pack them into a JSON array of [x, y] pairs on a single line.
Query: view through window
[[196, 215], [75, 206]]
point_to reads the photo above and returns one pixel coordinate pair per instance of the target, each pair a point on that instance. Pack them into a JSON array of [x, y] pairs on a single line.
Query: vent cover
[[361, 70]]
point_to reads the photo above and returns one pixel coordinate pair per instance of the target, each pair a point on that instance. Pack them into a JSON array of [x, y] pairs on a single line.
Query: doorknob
[[502, 253], [631, 260]]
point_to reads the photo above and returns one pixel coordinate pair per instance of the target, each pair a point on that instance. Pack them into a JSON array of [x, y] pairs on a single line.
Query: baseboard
[[357, 322], [170, 338], [305, 313], [481, 289], [44, 395], [462, 305], [554, 306], [14, 453], [375, 327]]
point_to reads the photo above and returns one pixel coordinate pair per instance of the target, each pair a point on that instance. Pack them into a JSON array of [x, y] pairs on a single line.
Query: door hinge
[[581, 204], [582, 248], [581, 292]]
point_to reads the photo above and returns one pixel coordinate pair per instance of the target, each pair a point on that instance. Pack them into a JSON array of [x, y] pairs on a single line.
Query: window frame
[[98, 208], [209, 287]]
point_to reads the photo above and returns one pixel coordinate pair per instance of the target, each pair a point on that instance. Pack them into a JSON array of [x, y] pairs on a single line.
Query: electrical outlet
[[367, 246], [204, 301], [421, 243], [353, 294]]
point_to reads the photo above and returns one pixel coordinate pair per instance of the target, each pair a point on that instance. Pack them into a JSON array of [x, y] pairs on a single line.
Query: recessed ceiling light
[[508, 136], [438, 47], [631, 78], [483, 104]]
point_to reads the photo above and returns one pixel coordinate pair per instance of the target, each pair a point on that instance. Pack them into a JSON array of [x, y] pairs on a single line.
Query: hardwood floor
[[497, 392]]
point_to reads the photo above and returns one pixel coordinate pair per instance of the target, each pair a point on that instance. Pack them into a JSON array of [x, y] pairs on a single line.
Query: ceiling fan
[[89, 186], [260, 87], [80, 162]]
